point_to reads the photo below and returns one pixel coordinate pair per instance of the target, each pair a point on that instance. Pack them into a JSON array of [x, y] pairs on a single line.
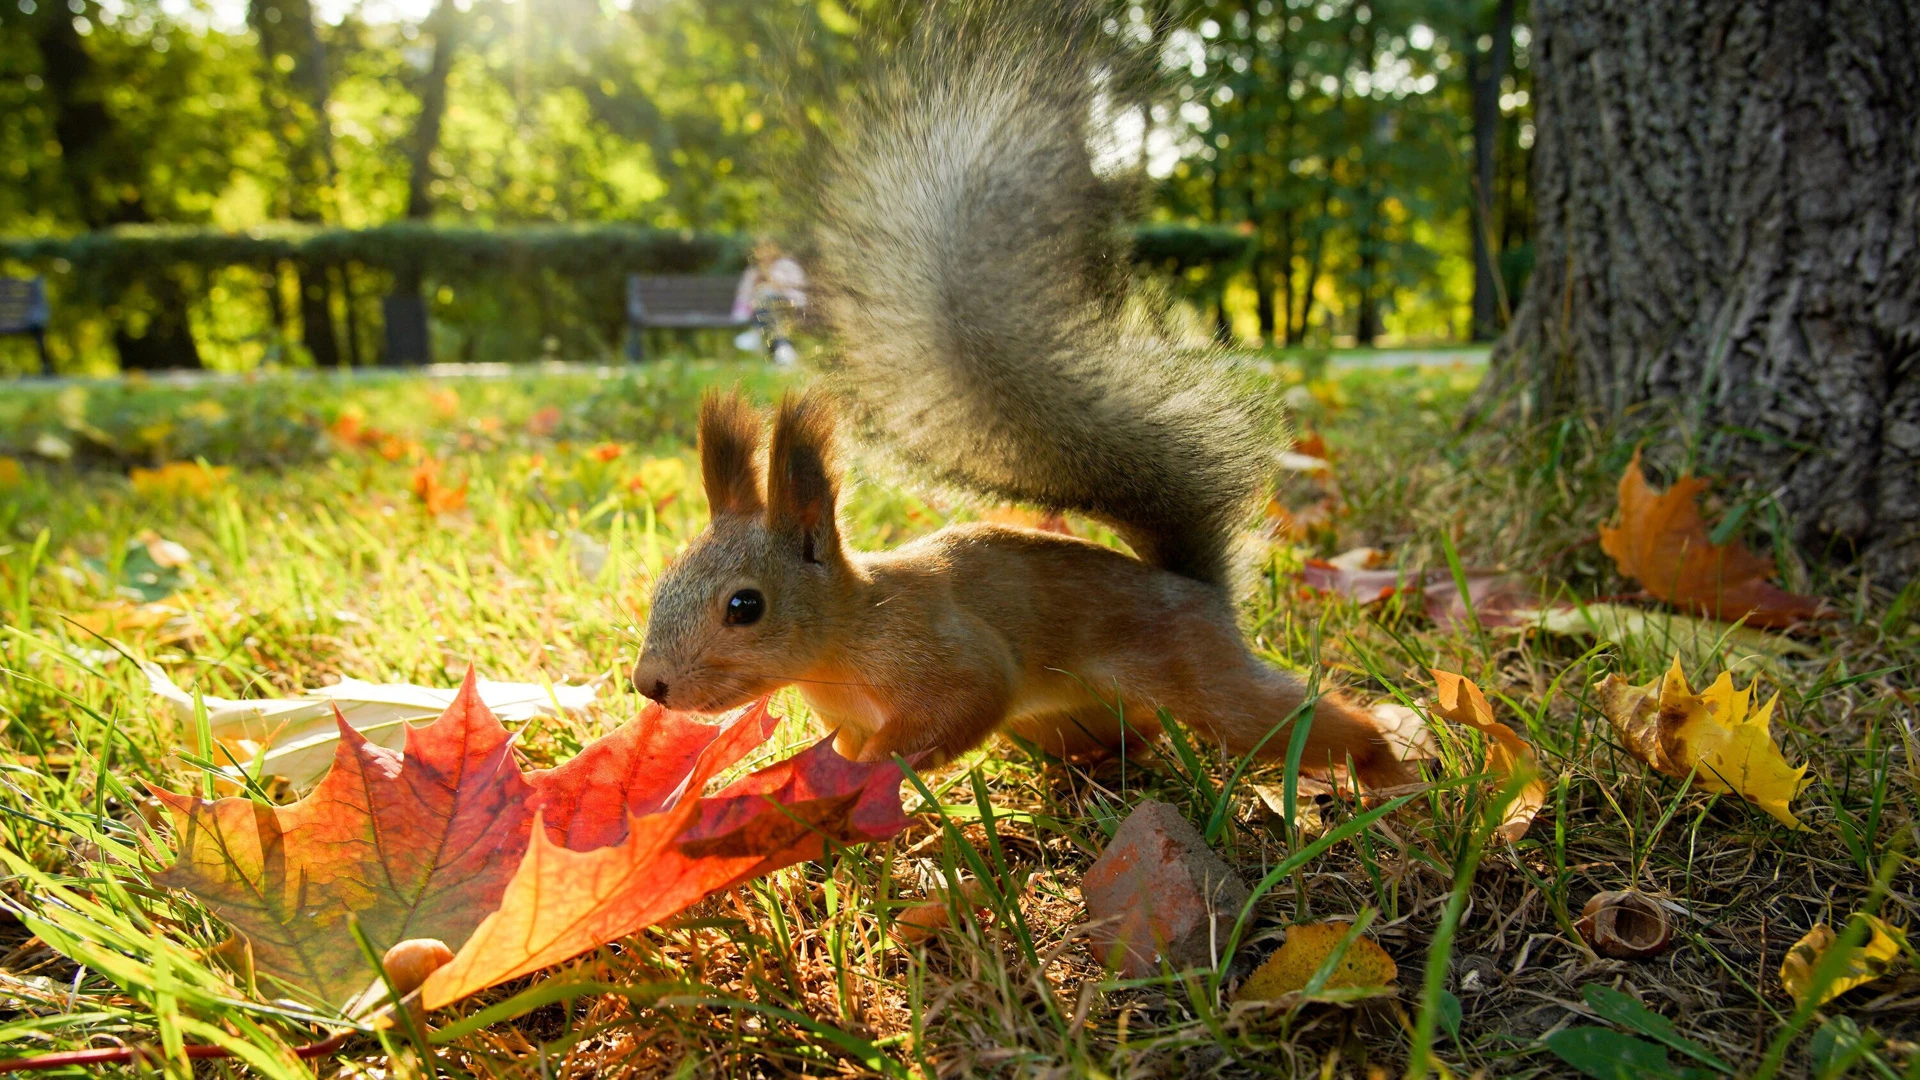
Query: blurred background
[[244, 183]]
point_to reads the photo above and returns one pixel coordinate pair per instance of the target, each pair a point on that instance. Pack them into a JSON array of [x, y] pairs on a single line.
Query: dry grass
[[330, 568]]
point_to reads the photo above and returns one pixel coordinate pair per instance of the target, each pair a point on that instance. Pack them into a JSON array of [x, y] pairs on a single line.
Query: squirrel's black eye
[[745, 606]]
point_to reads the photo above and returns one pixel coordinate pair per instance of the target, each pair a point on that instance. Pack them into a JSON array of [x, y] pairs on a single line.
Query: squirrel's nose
[[659, 691]]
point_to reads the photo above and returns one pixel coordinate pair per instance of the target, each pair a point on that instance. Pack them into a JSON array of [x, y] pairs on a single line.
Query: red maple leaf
[[427, 842]]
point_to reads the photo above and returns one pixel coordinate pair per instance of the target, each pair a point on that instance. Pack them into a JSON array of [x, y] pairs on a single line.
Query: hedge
[[115, 258], [1177, 249], [507, 293], [466, 252]]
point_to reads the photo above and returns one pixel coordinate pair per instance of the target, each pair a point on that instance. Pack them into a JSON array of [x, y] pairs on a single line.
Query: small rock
[[1159, 891]]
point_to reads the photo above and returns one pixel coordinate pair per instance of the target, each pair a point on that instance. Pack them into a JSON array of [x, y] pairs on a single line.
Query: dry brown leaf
[[1310, 797], [1457, 699], [920, 922], [1662, 543]]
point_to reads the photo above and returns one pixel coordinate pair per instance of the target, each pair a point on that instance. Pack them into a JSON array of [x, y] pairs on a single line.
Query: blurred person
[[773, 293]]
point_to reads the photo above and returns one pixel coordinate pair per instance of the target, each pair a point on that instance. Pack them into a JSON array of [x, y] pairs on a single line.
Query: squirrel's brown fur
[[965, 263]]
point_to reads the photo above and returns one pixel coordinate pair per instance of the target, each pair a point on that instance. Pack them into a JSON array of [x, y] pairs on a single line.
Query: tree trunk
[[108, 186], [1485, 70], [1263, 296], [297, 89], [405, 308], [1727, 209]]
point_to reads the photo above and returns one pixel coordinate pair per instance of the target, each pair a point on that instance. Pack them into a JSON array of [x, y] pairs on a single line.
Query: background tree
[[1328, 128], [408, 340], [1489, 59], [1728, 196], [122, 100], [1336, 133], [295, 82]]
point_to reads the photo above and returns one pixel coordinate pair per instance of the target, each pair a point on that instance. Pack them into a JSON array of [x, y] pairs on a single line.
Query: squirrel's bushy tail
[[967, 261]]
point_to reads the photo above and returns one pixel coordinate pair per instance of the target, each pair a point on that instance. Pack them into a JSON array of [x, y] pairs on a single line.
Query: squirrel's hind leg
[[1237, 702]]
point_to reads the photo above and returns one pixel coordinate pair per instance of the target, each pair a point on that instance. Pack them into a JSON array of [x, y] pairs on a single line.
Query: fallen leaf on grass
[[1297, 462], [178, 478], [350, 429], [1870, 961], [295, 737], [1308, 812], [435, 494], [563, 902], [1715, 735], [919, 922], [1496, 599], [1675, 634], [1360, 558], [1626, 925], [1460, 701], [1367, 586], [1492, 600], [1364, 966], [122, 617], [1662, 543], [1301, 522], [419, 844], [1405, 730], [430, 843], [10, 472]]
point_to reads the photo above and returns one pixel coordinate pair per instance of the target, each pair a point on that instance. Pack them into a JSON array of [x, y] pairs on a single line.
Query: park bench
[[680, 302], [23, 310]]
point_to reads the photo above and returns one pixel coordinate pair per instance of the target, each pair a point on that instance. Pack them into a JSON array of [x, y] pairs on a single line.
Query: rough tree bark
[[408, 341], [1485, 70], [1728, 212]]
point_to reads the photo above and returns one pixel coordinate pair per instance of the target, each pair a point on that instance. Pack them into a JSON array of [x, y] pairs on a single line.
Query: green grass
[[312, 561]]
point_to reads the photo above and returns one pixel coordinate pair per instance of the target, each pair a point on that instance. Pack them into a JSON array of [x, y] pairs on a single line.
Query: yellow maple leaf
[[178, 478], [1365, 965], [1869, 962], [1457, 699], [1715, 735]]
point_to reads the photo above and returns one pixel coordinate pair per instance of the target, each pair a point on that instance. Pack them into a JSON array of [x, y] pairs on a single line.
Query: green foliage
[[1338, 133], [1334, 132], [1177, 249]]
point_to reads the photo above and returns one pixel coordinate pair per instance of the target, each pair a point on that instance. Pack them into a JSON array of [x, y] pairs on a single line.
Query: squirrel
[[965, 262]]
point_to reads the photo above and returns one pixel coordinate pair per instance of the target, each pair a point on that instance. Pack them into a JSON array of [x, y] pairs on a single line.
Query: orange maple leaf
[[437, 496], [1662, 543], [429, 841], [1458, 699]]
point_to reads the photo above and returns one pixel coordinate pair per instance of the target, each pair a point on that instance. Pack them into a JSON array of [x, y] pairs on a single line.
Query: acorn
[[1626, 925], [409, 962]]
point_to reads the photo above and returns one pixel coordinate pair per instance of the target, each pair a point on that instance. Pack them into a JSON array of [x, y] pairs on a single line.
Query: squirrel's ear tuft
[[803, 478], [729, 446]]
